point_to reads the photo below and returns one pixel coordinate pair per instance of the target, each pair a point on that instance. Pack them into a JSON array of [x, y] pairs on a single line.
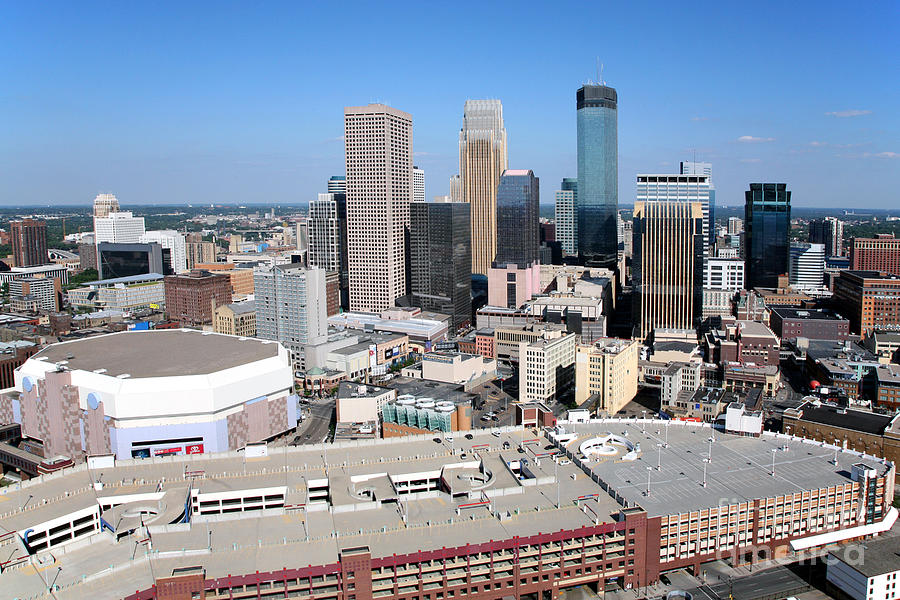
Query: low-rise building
[[884, 344], [742, 378], [236, 319], [842, 366], [452, 367], [606, 374], [35, 293], [421, 330], [506, 339], [865, 570], [191, 298], [813, 324], [745, 342], [887, 381], [360, 403]]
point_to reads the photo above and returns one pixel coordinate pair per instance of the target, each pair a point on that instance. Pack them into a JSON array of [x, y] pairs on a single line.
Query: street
[[316, 425]]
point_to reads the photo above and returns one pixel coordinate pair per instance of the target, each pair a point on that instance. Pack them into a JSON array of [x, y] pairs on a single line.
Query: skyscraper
[[566, 222], [327, 231], [514, 276], [119, 228], [418, 185], [378, 146], [337, 184], [105, 204], [678, 188], [807, 266], [598, 179], [689, 167], [291, 306], [28, 238], [830, 232], [667, 265], [767, 225], [482, 160], [174, 241], [441, 259]]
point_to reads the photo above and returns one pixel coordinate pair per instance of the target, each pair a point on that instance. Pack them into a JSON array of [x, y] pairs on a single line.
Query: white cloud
[[882, 155], [751, 160], [749, 139], [855, 112], [699, 118], [818, 144]]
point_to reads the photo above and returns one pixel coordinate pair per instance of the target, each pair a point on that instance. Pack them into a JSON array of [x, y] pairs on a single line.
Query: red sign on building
[[167, 451], [194, 449]]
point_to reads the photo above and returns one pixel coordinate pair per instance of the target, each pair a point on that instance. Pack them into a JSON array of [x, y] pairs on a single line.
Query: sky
[[242, 102]]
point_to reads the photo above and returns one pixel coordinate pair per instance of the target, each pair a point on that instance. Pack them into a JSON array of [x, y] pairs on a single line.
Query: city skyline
[[252, 113]]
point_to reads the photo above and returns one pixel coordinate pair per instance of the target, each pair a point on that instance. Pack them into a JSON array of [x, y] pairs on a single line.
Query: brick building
[[743, 342], [191, 298], [28, 238], [871, 299], [813, 324], [881, 253]]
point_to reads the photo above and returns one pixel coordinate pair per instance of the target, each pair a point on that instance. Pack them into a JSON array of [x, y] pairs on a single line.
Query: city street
[[316, 424]]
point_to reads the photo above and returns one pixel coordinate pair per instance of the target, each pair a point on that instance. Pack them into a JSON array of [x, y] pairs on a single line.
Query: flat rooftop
[[856, 420], [159, 353], [882, 556]]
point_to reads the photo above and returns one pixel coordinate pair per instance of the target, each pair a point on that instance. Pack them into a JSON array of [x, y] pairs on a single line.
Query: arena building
[[491, 514], [151, 393]]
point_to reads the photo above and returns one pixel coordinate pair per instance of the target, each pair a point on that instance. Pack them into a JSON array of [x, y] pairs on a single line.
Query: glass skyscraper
[[598, 180], [518, 218], [767, 226]]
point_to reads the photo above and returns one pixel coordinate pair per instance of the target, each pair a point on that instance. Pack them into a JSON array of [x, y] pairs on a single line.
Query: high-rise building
[[125, 260], [379, 146], [678, 188], [337, 184], [546, 368], [830, 232], [689, 167], [667, 265], [598, 178], [199, 252], [735, 225], [514, 276], [119, 228], [105, 204], [871, 300], [327, 231], [767, 226], [455, 189], [566, 221], [806, 268], [291, 306], [607, 373], [724, 274], [174, 241], [192, 298], [441, 259], [418, 184], [881, 253], [482, 160], [28, 238]]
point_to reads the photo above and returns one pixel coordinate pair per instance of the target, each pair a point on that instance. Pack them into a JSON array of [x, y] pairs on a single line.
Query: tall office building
[[119, 228], [105, 204], [598, 179], [667, 269], [441, 259], [566, 222], [767, 226], [379, 146], [678, 188], [199, 252], [806, 269], [482, 160], [28, 238], [337, 184], [327, 231], [418, 185], [881, 253], [125, 260], [192, 298], [830, 232], [514, 276], [735, 225], [174, 241], [690, 167], [291, 306], [455, 189]]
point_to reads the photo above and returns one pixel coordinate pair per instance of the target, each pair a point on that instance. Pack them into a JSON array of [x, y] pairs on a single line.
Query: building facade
[[546, 368], [598, 174], [482, 160], [667, 293], [119, 228], [566, 216], [170, 240], [767, 226], [881, 253], [191, 298], [327, 230], [724, 274], [829, 232], [291, 306], [28, 238], [871, 299], [678, 188], [606, 374], [441, 259], [418, 185], [199, 252], [379, 146], [236, 319], [806, 269], [690, 167]]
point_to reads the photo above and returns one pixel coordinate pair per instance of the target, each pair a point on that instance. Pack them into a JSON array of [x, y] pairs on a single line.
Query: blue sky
[[242, 102]]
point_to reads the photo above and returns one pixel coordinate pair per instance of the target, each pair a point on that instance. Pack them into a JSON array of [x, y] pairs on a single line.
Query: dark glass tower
[[767, 226], [598, 180], [440, 255], [518, 218]]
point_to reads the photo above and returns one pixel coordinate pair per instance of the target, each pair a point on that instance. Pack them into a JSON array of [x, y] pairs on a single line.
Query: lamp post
[[709, 451], [649, 470], [774, 450], [643, 420], [667, 434], [659, 457], [706, 461]]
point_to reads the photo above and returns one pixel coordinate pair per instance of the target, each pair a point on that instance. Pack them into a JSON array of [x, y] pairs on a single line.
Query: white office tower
[[807, 266], [174, 241], [690, 167], [324, 231], [724, 274], [735, 225], [455, 191], [337, 184], [566, 221], [105, 204], [482, 160], [378, 152], [301, 233], [677, 188], [418, 185], [119, 228], [291, 306]]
